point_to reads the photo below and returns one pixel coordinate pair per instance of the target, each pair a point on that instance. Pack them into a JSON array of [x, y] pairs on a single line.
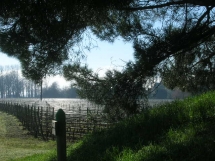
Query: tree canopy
[[167, 35], [192, 71], [171, 38], [40, 33]]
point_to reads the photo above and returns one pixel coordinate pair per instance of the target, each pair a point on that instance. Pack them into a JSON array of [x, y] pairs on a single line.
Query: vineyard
[[36, 116]]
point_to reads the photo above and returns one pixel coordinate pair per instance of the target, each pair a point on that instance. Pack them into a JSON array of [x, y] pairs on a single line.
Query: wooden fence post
[[61, 135]]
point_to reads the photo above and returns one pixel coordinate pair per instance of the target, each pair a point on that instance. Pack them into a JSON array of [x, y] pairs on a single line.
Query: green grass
[[15, 143], [178, 131]]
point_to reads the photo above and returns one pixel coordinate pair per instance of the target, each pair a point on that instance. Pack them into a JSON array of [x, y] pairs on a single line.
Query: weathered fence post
[[61, 135]]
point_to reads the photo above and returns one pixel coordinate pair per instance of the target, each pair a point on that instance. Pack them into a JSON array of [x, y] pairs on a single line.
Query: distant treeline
[[55, 92], [13, 85], [159, 91]]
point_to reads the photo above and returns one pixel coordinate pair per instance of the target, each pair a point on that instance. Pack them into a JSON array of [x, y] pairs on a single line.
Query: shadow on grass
[[177, 131], [190, 144]]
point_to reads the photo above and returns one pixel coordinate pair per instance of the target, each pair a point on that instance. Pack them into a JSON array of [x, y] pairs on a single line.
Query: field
[[16, 143], [68, 104], [36, 116], [181, 130]]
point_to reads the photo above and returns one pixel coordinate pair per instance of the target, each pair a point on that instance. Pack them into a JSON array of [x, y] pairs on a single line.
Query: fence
[[38, 120]]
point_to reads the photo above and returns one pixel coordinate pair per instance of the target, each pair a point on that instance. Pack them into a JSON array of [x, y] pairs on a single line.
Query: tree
[[193, 71], [2, 80], [53, 91], [118, 91], [13, 85], [40, 33], [186, 25], [44, 31], [69, 92]]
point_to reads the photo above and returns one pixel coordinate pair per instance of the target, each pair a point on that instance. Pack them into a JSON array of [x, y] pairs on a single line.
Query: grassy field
[[177, 131], [15, 143]]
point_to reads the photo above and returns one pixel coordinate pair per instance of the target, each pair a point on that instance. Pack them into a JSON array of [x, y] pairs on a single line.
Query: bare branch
[[204, 15], [173, 3], [155, 6]]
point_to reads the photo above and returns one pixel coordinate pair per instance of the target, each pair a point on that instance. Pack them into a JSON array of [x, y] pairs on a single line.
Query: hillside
[[181, 130]]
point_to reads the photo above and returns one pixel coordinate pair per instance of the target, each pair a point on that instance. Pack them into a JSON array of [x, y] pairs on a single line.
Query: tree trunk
[[41, 90]]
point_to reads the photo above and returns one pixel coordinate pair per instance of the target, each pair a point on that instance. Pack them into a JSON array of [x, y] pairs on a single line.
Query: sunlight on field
[[15, 142], [69, 104]]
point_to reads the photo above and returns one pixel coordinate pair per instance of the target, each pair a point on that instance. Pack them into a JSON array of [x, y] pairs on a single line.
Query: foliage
[[41, 34], [159, 91], [13, 85], [54, 91], [43, 39], [114, 90], [160, 31], [192, 71], [182, 130]]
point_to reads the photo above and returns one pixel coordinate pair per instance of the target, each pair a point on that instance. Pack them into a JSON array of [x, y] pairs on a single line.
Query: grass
[[181, 130], [16, 143]]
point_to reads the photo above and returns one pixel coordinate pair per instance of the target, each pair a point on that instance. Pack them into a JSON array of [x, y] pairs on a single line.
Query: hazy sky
[[105, 56]]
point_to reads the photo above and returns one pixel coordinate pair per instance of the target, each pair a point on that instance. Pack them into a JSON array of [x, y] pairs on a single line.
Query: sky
[[105, 56]]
